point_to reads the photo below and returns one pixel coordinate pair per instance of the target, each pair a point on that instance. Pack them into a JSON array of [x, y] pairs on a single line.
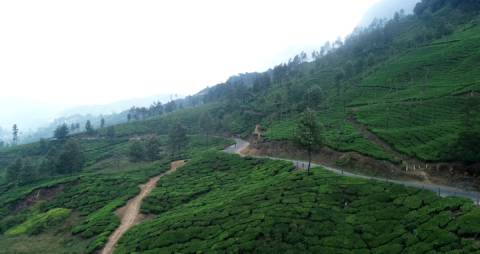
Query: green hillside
[[225, 204], [413, 81], [404, 89]]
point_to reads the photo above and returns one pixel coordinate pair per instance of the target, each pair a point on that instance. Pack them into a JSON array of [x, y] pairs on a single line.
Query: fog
[[56, 55]]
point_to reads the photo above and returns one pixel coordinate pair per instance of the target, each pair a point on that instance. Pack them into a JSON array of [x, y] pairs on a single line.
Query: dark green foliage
[[207, 125], [307, 133], [89, 128], [111, 134], [13, 170], [21, 171], [466, 147], [177, 140], [223, 203], [71, 158], [152, 148], [137, 151], [61, 132]]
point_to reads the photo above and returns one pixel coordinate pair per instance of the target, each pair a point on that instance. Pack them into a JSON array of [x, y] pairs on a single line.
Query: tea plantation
[[78, 215], [226, 204]]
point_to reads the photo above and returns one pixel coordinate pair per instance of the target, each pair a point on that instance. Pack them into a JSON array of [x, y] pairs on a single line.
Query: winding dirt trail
[[130, 213]]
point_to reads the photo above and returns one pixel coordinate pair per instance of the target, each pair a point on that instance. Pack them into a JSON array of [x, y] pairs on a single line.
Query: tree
[[170, 107], [136, 151], [102, 123], [89, 128], [308, 134], [338, 79], [111, 132], [348, 69], [61, 132], [313, 96], [206, 125], [27, 172], [13, 171], [15, 134], [466, 148], [71, 157], [177, 140], [152, 148]]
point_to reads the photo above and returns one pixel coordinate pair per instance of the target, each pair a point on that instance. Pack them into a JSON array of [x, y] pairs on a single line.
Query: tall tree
[[27, 172], [206, 125], [71, 158], [152, 148], [170, 107], [61, 132], [177, 140], [15, 134], [89, 128], [102, 123], [308, 134], [137, 151], [13, 171], [111, 132]]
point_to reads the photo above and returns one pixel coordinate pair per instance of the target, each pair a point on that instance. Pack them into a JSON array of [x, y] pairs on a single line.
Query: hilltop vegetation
[[412, 81]]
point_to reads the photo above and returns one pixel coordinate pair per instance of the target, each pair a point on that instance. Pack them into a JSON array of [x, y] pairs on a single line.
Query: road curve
[[442, 190]]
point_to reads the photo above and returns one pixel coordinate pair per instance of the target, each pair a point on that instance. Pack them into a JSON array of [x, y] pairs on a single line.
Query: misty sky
[[93, 52]]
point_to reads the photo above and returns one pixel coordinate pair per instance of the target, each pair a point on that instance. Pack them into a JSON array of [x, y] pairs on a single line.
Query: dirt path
[[442, 190], [130, 213], [411, 165], [376, 140]]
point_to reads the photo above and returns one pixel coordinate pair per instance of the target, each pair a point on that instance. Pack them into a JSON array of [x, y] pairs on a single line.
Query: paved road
[[444, 191]]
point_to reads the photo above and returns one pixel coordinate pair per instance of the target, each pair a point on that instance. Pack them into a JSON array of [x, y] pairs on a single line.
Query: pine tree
[[15, 134], [61, 132], [89, 128], [102, 123]]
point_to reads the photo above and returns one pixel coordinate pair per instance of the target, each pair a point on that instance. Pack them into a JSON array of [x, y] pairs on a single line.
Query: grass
[[224, 203]]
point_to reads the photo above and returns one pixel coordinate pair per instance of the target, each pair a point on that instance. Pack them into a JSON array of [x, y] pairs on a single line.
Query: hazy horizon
[[63, 55]]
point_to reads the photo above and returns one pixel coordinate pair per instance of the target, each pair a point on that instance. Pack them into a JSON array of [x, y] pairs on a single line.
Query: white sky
[[94, 52]]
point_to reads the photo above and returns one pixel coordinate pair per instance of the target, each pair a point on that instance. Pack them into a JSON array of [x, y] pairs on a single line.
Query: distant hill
[[117, 107], [48, 116], [386, 9]]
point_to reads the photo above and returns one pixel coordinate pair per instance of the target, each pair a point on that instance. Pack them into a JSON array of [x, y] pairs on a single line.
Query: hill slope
[[405, 90]]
